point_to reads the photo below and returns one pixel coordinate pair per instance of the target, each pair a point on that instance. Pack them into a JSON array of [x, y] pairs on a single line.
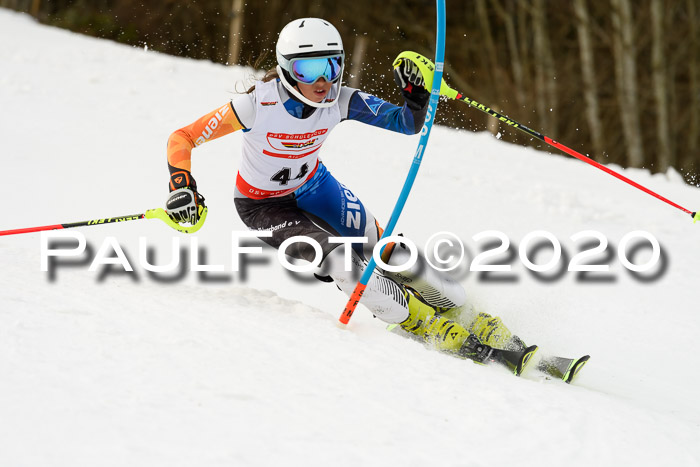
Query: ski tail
[[515, 360], [575, 368], [562, 368]]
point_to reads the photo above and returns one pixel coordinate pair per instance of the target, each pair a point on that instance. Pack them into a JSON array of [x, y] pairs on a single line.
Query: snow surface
[[113, 369]]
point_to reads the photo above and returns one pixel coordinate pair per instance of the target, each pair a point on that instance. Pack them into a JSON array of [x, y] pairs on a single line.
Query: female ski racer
[[283, 186]]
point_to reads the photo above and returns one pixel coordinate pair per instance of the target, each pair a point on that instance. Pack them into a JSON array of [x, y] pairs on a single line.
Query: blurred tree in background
[[615, 79]]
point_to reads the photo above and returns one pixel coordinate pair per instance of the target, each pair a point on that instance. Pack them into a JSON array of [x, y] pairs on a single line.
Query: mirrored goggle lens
[[308, 70]]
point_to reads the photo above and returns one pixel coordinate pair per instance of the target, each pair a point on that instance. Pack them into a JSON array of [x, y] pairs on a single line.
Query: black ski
[[562, 368], [515, 360], [556, 367]]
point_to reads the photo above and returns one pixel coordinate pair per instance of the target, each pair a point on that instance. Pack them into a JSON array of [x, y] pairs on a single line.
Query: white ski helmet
[[309, 38]]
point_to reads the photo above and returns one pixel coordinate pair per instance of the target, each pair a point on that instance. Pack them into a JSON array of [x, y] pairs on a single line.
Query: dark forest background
[[615, 79]]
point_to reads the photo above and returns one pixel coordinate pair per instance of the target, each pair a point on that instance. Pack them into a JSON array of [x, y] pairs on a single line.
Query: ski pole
[[158, 213], [417, 159], [426, 67]]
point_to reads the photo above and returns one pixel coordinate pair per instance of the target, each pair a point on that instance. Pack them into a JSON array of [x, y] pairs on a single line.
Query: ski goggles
[[308, 70]]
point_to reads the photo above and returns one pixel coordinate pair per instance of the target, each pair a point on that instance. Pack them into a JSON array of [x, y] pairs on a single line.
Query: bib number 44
[[284, 175]]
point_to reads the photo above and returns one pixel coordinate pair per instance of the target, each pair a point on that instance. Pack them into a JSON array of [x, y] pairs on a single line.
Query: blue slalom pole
[[417, 159]]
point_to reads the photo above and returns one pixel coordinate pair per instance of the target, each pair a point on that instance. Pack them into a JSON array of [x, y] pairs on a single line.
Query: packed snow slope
[[115, 368]]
